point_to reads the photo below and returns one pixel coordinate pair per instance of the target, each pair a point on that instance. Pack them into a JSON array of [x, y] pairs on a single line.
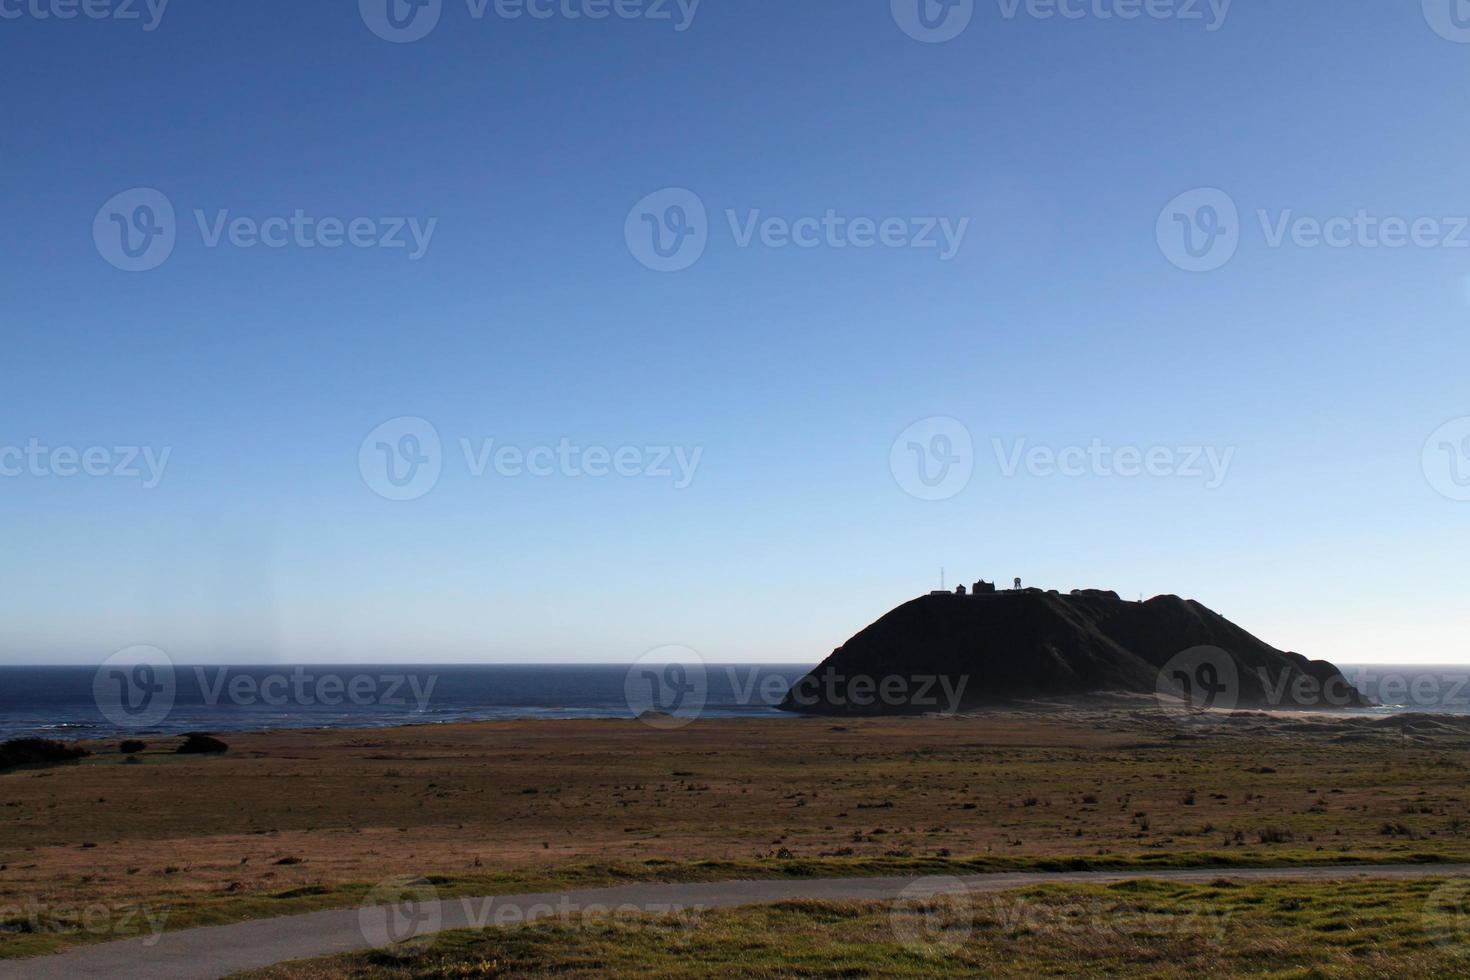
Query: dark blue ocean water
[[75, 702], [90, 702]]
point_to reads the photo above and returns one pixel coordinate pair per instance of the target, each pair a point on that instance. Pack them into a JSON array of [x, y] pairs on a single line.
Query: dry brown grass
[[319, 809]]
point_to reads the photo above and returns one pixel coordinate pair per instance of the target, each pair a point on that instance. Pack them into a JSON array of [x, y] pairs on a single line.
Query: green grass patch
[[22, 936], [1139, 928]]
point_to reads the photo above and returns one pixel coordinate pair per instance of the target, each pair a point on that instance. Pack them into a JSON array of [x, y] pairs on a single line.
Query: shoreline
[[1113, 707]]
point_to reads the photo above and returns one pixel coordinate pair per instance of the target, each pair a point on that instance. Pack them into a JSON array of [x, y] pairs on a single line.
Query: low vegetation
[[298, 821], [197, 743], [1406, 929], [22, 752]]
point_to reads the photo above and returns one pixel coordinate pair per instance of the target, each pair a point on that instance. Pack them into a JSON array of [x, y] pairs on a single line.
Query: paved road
[[197, 954]]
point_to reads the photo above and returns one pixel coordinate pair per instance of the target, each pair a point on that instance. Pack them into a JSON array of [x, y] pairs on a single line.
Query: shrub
[[132, 747], [37, 752], [196, 743]]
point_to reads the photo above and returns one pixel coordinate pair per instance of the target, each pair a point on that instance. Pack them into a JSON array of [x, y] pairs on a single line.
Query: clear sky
[[1059, 315]]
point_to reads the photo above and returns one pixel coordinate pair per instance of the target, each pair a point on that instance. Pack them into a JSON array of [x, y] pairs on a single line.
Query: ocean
[[91, 702]]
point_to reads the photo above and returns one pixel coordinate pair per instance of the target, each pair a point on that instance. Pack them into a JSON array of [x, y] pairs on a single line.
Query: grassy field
[[290, 822], [1341, 929]]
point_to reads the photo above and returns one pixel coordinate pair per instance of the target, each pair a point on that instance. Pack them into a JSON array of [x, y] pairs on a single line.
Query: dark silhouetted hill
[[1031, 644]]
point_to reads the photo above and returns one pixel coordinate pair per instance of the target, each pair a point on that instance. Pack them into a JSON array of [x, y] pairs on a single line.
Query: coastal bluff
[[944, 652]]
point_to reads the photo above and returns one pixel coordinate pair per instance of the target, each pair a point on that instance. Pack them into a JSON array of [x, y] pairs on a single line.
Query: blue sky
[[1325, 373]]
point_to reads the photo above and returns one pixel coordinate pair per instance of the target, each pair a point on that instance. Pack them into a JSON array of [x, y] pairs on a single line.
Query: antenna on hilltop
[[941, 579]]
